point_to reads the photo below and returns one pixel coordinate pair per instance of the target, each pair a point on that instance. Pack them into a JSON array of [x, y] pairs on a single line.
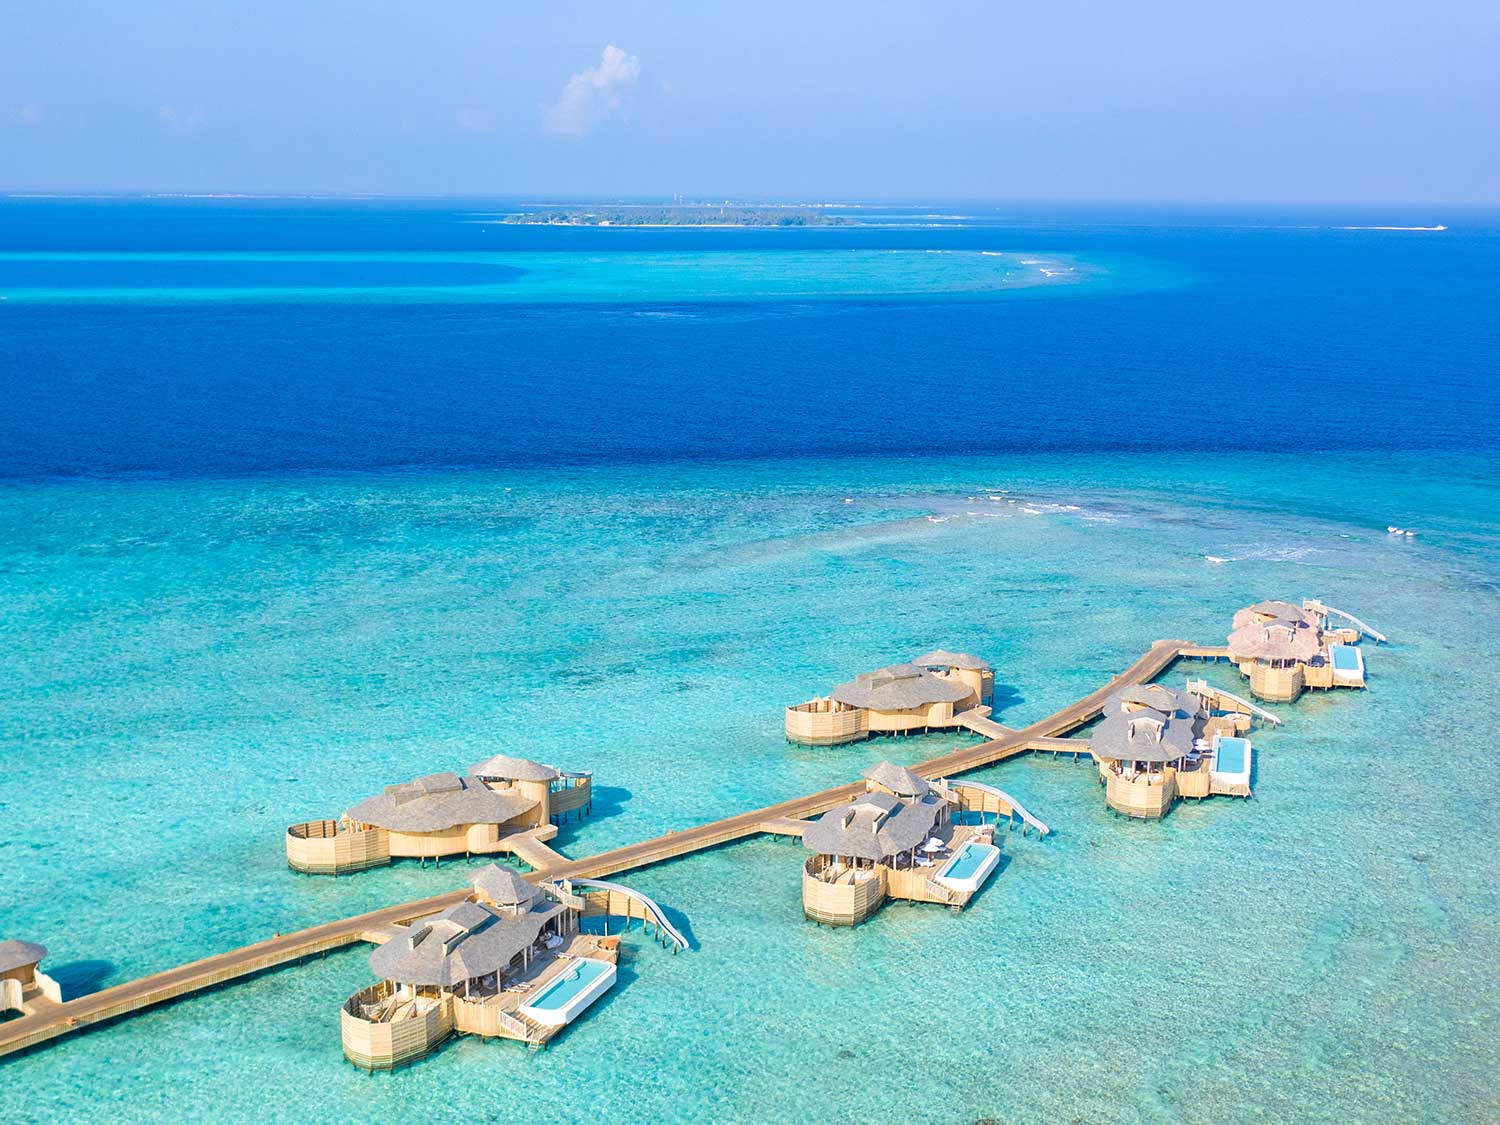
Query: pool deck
[[532, 984], [283, 949], [920, 884]]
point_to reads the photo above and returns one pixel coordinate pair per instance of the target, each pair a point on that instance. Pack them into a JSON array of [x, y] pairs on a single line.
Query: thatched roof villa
[[887, 842], [1141, 744], [441, 814], [1156, 744], [493, 965], [1284, 649], [926, 694]]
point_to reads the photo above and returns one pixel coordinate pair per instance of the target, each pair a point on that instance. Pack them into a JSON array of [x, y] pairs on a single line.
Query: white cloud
[[595, 94]]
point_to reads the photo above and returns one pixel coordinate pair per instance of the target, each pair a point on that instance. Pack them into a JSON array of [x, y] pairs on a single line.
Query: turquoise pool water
[[1230, 755], [967, 862], [569, 985], [1345, 658]]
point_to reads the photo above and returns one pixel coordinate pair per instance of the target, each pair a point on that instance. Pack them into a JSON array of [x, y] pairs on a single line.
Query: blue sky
[[1058, 99]]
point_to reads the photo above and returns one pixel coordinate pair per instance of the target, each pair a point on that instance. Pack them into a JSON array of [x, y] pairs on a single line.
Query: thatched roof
[[1159, 697], [503, 887], [501, 768], [1263, 612], [898, 688], [18, 954], [439, 801], [898, 779], [1278, 640], [1146, 735], [942, 658], [875, 826], [463, 942]]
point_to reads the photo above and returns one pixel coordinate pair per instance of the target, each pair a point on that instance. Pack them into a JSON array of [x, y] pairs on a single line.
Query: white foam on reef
[[1269, 553], [1217, 559]]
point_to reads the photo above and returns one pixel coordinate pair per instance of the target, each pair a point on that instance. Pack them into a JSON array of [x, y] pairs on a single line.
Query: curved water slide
[[1203, 687], [657, 914], [1015, 805], [1374, 634]]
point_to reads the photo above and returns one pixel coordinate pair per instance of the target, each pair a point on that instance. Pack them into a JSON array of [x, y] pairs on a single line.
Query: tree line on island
[[644, 216]]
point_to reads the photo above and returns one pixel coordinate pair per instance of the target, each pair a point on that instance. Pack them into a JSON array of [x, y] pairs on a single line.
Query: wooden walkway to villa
[[132, 996], [981, 724]]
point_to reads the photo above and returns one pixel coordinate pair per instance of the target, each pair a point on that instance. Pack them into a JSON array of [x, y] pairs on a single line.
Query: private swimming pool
[[969, 867], [579, 985], [1232, 755], [1348, 663]]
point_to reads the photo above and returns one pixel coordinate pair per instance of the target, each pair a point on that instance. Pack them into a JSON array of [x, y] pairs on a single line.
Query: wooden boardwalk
[[132, 996], [1204, 652], [982, 724], [535, 854]]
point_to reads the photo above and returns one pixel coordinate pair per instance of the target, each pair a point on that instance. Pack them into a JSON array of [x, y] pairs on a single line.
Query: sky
[[1277, 100]]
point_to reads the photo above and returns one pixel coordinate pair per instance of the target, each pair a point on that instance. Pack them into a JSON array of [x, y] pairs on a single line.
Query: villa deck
[[498, 1016]]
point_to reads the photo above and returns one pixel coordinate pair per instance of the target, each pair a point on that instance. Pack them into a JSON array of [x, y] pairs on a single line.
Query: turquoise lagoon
[[531, 276], [193, 664]]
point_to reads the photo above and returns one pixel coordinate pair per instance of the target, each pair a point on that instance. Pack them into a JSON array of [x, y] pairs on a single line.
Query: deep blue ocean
[[302, 498], [1271, 330]]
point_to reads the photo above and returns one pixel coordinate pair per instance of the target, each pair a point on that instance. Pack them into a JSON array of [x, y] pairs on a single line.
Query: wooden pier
[[158, 988]]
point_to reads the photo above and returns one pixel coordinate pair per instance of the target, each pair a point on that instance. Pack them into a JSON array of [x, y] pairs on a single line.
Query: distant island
[[677, 216]]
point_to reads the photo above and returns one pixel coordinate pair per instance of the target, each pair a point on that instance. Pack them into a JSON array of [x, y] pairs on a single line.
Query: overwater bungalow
[[508, 962], [24, 988], [1283, 649], [1156, 744], [933, 692], [896, 840], [442, 814]]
